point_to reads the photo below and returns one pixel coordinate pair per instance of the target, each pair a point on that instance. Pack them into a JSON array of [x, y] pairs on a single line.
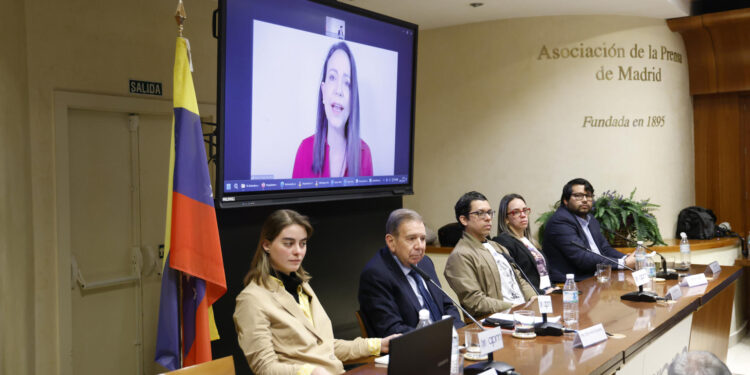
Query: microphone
[[499, 367], [640, 295], [429, 279], [576, 244], [544, 328], [664, 273]]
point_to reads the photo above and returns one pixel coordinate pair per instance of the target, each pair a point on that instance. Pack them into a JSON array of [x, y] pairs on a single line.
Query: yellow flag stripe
[[170, 187], [184, 92], [212, 324]]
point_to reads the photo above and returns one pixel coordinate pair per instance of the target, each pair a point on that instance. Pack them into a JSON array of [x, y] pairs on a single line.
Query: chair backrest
[[449, 234], [221, 366], [363, 325]]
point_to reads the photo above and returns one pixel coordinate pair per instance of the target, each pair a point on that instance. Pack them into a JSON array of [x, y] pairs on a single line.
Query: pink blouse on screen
[[304, 159]]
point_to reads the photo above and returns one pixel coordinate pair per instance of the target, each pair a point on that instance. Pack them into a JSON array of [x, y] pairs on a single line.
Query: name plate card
[[490, 340], [590, 336], [544, 282], [694, 280], [641, 277], [713, 269], [545, 304], [674, 293]]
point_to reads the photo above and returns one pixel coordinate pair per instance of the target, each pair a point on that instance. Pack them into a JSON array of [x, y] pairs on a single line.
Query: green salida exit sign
[[145, 87]]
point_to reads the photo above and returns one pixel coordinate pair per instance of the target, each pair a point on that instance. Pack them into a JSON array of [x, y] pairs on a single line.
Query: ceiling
[[429, 14]]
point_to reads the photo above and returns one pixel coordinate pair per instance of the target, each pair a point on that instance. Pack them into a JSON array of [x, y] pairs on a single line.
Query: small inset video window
[[335, 28]]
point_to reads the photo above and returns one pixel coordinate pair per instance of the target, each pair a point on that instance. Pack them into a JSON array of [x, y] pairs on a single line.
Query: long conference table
[[646, 336]]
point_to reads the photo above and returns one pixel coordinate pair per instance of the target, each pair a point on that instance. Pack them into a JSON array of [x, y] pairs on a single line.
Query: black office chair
[[449, 234]]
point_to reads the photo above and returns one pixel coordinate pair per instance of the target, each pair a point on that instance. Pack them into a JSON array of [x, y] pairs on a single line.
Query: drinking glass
[[471, 342], [524, 324], [670, 262], [603, 272]]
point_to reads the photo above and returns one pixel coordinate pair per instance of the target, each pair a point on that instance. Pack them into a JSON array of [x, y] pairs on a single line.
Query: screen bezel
[[262, 198]]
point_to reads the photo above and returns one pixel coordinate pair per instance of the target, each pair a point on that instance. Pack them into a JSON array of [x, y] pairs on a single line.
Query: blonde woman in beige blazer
[[281, 326]]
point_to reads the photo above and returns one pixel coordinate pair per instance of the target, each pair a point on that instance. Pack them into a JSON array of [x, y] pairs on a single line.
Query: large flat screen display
[[316, 102]]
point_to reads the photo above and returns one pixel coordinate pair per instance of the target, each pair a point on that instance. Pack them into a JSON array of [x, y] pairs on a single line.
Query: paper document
[[382, 360]]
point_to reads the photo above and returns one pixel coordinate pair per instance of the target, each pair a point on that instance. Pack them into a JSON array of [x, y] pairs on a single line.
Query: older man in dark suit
[[572, 235], [390, 292]]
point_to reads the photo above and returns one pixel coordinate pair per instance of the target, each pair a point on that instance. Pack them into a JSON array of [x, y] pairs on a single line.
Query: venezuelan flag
[[193, 276]]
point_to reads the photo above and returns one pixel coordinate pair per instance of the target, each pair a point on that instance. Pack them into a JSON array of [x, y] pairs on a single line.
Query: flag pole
[[180, 16]]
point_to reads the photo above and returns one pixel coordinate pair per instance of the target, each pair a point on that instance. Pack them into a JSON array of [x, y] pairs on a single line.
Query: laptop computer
[[423, 351]]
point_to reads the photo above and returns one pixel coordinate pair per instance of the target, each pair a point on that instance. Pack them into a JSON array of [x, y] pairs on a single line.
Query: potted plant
[[624, 215]]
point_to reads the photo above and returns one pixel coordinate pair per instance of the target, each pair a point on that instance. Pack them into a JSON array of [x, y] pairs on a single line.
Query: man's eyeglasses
[[526, 211], [580, 196], [481, 214]]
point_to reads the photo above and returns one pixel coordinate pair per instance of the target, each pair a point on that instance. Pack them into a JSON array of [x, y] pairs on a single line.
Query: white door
[[111, 168], [118, 179]]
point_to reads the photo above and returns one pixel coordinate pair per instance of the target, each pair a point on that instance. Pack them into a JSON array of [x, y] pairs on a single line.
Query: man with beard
[[573, 224]]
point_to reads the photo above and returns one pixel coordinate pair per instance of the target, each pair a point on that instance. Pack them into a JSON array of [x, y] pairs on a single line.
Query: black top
[[291, 283], [522, 255]]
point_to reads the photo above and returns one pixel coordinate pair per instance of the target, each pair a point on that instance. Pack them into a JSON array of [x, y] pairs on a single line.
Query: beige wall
[[493, 116], [16, 260], [93, 47]]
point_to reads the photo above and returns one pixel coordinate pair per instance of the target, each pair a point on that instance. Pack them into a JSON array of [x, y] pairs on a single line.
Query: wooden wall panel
[[702, 115], [718, 51], [711, 324], [744, 103], [719, 158], [730, 33], [700, 56]]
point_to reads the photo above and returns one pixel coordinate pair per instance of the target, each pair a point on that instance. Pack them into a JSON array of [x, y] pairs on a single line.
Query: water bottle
[[640, 256], [651, 266], [684, 252], [570, 301], [455, 365], [424, 318]]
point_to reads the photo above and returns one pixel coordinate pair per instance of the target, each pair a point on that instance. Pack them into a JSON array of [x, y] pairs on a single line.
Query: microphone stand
[[498, 366], [664, 273], [640, 295], [544, 328]]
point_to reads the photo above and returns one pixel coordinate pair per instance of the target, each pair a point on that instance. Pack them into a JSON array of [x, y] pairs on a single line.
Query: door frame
[[63, 102]]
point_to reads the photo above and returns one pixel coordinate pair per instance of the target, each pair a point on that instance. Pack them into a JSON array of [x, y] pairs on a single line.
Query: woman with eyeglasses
[[281, 326], [514, 233]]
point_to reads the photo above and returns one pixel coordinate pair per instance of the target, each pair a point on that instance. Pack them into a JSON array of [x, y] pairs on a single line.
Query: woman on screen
[[514, 233], [335, 150], [281, 325]]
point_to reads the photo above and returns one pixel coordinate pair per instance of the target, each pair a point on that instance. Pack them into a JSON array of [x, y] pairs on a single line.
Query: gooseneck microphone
[[580, 246], [640, 295], [664, 273], [429, 279], [544, 328], [499, 367], [513, 262]]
